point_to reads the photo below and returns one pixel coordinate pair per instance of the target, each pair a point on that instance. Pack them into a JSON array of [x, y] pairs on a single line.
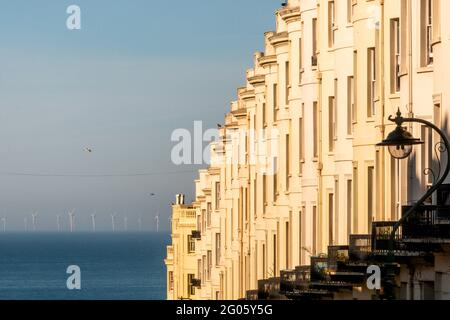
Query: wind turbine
[[25, 222], [4, 224], [157, 222], [34, 218], [140, 223], [93, 221], [113, 221], [125, 223], [58, 222], [72, 220]]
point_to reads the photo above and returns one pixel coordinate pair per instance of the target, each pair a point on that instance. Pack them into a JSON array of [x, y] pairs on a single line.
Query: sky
[[135, 72]]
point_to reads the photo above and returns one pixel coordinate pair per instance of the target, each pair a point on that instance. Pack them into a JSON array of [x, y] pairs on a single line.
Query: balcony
[[295, 280], [269, 289], [196, 283], [360, 247], [196, 234], [381, 232], [319, 269], [338, 257], [427, 224]]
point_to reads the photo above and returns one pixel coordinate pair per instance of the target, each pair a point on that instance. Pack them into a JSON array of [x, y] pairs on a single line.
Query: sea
[[112, 266]]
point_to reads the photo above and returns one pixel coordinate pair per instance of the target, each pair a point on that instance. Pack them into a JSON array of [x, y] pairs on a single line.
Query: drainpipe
[[410, 172], [383, 104]]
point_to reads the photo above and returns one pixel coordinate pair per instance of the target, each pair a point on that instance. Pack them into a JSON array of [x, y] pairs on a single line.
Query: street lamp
[[400, 143]]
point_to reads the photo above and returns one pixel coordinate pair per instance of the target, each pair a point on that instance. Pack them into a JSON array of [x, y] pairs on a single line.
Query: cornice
[[267, 60], [257, 80], [279, 39], [290, 14]]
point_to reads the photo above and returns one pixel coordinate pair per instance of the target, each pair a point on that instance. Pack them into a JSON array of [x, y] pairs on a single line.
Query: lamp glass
[[400, 151]]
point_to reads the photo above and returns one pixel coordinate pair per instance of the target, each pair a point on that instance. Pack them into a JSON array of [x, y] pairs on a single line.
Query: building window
[[275, 180], [331, 23], [314, 239], [208, 214], [264, 272], [191, 244], [350, 104], [191, 289], [217, 198], [288, 160], [395, 55], [264, 115], [372, 82], [426, 32], [275, 262], [301, 129], [355, 198], [349, 207], [288, 246], [370, 195], [316, 129], [204, 268], [300, 236], [275, 101], [300, 58], [170, 280], [427, 153], [200, 269], [264, 191], [331, 218], [331, 122], [314, 43], [209, 264], [288, 81], [218, 249], [203, 220]]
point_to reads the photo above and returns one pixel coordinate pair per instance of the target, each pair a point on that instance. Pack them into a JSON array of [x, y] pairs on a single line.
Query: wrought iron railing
[[360, 247], [427, 222], [338, 256]]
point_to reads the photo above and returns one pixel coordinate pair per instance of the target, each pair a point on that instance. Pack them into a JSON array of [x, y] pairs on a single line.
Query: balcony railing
[[319, 268], [196, 234], [338, 256], [268, 288], [295, 280], [427, 223], [360, 247], [381, 232]]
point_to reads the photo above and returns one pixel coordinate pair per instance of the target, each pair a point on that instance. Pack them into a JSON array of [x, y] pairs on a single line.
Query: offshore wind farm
[[67, 222]]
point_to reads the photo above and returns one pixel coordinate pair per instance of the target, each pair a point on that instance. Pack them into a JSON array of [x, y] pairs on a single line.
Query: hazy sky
[[137, 70]]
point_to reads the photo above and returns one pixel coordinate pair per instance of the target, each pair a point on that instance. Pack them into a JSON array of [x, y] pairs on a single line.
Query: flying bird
[[89, 150]]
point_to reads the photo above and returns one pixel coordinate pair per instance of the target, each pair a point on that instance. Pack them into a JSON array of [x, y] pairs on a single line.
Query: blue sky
[[137, 70]]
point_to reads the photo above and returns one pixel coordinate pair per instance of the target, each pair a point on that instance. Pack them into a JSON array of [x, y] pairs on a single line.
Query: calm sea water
[[113, 266]]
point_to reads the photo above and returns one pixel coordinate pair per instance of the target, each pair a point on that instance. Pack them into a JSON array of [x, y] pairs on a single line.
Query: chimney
[[179, 199]]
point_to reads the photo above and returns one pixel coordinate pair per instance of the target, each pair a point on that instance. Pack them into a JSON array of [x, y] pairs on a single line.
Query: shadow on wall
[[431, 173]]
